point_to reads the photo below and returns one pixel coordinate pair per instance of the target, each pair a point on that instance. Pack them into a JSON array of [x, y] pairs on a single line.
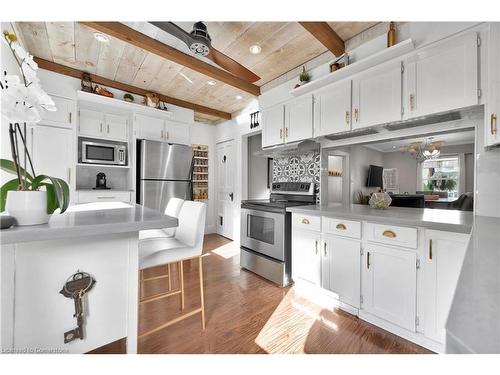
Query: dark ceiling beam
[[72, 72], [326, 35], [140, 40]]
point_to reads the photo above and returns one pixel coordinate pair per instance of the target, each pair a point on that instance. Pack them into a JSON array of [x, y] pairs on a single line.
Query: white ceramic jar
[[28, 207]]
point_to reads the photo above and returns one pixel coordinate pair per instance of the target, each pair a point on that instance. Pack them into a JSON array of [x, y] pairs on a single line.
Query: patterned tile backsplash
[[298, 168]]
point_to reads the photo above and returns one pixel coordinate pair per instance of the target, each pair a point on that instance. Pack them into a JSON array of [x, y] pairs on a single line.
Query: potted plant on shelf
[[304, 77], [29, 198]]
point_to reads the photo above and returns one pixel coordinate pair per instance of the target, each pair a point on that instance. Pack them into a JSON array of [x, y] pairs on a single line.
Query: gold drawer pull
[[389, 233], [305, 221], [341, 227], [493, 124], [347, 117], [356, 114], [412, 102]]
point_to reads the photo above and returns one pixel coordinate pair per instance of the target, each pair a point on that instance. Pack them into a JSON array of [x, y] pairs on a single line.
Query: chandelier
[[424, 150]]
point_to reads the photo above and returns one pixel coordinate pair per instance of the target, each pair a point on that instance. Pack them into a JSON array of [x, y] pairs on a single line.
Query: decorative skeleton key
[[76, 287]]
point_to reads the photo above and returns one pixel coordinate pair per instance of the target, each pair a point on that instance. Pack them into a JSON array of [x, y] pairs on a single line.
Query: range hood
[[293, 148]]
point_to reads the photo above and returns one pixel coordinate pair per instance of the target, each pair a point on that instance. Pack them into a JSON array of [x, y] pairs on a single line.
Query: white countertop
[[89, 220], [473, 324], [446, 220]]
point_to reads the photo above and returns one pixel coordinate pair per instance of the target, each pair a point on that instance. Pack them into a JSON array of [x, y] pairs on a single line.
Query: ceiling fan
[[199, 42]]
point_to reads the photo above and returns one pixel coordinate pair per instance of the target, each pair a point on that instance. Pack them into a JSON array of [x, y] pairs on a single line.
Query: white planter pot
[[28, 207]]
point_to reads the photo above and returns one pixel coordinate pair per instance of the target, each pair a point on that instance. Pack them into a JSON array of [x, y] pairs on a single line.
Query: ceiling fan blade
[[174, 30], [232, 66]]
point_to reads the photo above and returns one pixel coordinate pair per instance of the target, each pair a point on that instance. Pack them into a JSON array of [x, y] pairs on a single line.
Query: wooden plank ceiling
[[285, 45]]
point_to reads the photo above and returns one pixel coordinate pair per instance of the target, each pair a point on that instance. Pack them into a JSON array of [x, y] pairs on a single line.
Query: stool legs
[[181, 273], [202, 297]]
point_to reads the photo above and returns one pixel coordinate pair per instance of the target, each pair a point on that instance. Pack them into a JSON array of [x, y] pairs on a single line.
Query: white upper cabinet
[[492, 132], [299, 119], [91, 123], [445, 252], [442, 77], [63, 116], [376, 95], [116, 126], [332, 109], [389, 277], [148, 127], [273, 125], [176, 132]]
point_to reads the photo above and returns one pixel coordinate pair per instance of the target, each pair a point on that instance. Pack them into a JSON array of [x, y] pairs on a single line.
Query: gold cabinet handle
[[389, 233], [316, 247], [107, 127], [324, 248], [70, 117], [167, 134], [281, 133], [341, 227], [161, 136], [286, 132], [100, 127], [493, 123], [347, 115], [305, 221], [356, 114], [430, 249], [412, 102], [368, 260]]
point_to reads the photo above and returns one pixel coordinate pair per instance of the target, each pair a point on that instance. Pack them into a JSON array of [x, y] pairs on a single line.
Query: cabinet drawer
[[391, 234], [341, 227], [104, 196], [307, 222]]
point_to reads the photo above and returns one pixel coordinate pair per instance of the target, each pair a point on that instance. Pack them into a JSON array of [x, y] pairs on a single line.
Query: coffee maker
[[100, 181]]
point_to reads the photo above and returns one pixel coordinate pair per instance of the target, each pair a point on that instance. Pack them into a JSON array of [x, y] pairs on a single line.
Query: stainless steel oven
[[93, 151]]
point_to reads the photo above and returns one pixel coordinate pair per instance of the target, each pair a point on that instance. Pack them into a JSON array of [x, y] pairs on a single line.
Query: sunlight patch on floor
[[227, 251]]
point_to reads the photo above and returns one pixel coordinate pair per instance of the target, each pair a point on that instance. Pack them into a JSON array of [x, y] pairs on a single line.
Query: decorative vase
[[380, 200], [28, 207]]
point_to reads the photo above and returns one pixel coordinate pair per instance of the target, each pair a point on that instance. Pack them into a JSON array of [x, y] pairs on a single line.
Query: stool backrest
[[191, 227], [174, 206]]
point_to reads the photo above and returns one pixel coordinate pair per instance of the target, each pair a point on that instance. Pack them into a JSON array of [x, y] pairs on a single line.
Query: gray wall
[[257, 170], [360, 159], [407, 170]]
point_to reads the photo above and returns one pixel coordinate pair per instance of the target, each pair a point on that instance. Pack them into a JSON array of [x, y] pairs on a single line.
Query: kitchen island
[[35, 262]]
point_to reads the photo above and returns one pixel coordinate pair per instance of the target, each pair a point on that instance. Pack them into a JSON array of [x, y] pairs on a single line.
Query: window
[[441, 174]]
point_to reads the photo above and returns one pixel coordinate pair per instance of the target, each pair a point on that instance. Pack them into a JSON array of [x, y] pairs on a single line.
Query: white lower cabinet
[[389, 287], [444, 255], [306, 257]]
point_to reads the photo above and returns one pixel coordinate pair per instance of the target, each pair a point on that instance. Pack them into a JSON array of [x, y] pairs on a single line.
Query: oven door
[[263, 232]]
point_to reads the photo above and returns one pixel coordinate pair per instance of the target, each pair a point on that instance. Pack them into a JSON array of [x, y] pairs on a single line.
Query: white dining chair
[[186, 244], [173, 208]]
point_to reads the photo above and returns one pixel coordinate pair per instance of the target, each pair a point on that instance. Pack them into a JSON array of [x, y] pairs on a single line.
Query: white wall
[[257, 170], [361, 158]]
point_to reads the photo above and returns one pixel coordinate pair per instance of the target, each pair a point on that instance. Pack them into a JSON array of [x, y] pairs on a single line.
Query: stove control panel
[[293, 187]]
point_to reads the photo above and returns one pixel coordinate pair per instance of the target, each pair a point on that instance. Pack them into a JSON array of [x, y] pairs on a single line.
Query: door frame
[[218, 202]]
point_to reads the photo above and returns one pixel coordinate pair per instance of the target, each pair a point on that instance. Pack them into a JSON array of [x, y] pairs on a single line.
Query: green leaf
[[52, 203], [9, 166], [8, 186]]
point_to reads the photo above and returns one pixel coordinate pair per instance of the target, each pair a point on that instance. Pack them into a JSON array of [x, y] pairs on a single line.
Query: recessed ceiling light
[[255, 49], [239, 97], [211, 83], [101, 37]]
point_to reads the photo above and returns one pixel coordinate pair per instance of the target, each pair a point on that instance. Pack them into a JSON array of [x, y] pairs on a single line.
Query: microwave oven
[[93, 151]]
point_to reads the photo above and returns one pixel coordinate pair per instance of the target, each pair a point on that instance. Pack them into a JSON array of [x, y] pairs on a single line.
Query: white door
[[306, 256], [343, 261], [116, 127], [91, 123], [299, 119], [273, 124], [332, 109], [225, 189], [63, 117], [376, 95], [442, 77], [445, 253], [52, 152], [492, 129], [147, 127], [389, 284], [177, 132]]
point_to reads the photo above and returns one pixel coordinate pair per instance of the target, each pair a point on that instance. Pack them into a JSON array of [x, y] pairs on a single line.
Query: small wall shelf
[[200, 173]]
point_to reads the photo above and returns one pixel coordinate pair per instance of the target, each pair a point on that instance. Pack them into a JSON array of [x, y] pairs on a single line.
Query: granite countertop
[[446, 220], [90, 219], [473, 324]]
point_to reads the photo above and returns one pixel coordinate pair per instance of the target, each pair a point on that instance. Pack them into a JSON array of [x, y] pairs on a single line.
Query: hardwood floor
[[248, 314]]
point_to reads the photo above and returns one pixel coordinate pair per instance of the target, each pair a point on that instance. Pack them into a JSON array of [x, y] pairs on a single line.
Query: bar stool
[[173, 207], [186, 244]]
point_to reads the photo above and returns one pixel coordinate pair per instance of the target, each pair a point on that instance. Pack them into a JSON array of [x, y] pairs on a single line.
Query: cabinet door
[[492, 131], [332, 109], [376, 95], [445, 253], [306, 256], [176, 132], [52, 151], [273, 123], [116, 127], [443, 77], [389, 284], [63, 117], [299, 119], [91, 123], [149, 127], [343, 261]]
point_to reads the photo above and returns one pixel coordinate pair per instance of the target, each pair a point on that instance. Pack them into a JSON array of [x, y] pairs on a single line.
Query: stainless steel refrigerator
[[164, 170]]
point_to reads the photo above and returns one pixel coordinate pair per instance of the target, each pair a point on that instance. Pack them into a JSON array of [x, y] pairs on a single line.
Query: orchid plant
[[22, 99]]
